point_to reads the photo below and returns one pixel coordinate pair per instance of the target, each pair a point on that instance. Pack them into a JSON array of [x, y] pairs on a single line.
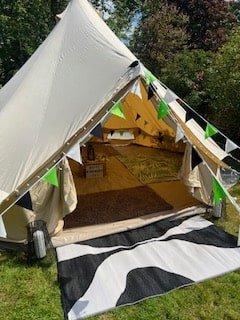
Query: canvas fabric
[[50, 204]]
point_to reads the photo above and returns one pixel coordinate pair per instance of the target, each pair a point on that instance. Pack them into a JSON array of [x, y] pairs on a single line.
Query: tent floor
[[119, 201], [74, 235], [115, 205], [134, 174]]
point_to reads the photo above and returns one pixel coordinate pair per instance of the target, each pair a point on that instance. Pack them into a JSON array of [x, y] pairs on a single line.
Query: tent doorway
[[138, 184]]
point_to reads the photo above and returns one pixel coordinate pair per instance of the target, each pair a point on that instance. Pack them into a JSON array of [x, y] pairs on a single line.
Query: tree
[[210, 22], [223, 84], [234, 7], [160, 35], [186, 76], [119, 14], [24, 24]]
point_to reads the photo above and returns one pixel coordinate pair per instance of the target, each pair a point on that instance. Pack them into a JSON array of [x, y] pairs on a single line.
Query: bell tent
[[83, 91]]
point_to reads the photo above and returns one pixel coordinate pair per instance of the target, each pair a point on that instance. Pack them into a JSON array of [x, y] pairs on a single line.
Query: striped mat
[[121, 269]]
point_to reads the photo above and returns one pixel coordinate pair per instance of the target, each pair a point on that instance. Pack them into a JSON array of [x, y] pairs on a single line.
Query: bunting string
[[196, 114], [210, 131]]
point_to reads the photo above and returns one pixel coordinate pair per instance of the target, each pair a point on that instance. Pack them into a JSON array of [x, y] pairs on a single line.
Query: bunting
[[75, 153], [3, 196], [160, 137], [210, 131], [136, 89], [145, 123], [151, 92], [190, 114], [179, 134], [163, 110], [25, 201], [112, 132], [150, 78], [230, 146], [51, 177], [196, 159], [137, 117], [117, 110], [231, 162], [98, 131], [170, 96], [220, 140], [219, 193]]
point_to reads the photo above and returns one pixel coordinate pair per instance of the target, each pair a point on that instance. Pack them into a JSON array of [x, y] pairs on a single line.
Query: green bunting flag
[[163, 110], [51, 177], [117, 110], [150, 78], [210, 131], [218, 192]]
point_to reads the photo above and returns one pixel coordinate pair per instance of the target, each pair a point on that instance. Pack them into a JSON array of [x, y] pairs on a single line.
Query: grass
[[31, 292], [28, 291]]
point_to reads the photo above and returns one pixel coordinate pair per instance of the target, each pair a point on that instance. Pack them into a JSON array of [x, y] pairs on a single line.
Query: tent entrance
[[140, 184]]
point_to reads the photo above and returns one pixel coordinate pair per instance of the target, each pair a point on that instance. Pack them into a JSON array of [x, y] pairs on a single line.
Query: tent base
[[10, 245], [90, 232]]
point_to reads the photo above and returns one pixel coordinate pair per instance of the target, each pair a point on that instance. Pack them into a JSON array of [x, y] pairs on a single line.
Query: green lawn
[[31, 292]]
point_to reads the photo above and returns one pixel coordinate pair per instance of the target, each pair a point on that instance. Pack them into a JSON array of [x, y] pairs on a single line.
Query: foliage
[[209, 22], [235, 9], [186, 76], [223, 85], [119, 14], [24, 24], [159, 36]]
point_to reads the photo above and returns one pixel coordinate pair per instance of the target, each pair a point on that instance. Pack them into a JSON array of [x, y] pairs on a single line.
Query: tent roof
[[60, 88]]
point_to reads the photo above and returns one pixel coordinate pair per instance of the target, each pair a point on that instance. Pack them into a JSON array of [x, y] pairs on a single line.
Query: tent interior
[[130, 176], [147, 165]]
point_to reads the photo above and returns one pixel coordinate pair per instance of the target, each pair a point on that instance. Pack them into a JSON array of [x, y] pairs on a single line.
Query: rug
[[121, 269], [163, 166], [115, 205]]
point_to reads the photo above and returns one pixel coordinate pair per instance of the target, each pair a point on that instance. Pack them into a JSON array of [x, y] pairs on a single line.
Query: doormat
[[115, 205], [121, 269]]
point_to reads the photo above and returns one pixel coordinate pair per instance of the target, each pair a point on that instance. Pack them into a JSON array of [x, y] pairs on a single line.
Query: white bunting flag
[[3, 195], [230, 146], [136, 89], [179, 134], [75, 153], [170, 96], [3, 233], [238, 243]]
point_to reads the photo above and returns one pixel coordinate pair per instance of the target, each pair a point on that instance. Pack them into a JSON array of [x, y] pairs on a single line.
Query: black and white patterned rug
[[100, 274]]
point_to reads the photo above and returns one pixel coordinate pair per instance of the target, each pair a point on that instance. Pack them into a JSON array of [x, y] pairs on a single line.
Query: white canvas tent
[[64, 90]]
